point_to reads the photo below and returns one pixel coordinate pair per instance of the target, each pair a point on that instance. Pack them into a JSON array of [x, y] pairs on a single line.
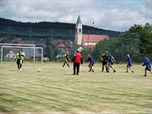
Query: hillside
[[6, 23]]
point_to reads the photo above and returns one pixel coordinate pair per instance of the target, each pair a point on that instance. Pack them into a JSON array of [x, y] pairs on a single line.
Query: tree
[[118, 47], [145, 33], [50, 50], [85, 54]]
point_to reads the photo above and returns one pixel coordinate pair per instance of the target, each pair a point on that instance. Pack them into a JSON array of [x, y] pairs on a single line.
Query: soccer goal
[[8, 53]]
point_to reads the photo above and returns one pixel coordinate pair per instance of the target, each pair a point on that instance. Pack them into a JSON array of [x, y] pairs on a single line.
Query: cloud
[[114, 15]]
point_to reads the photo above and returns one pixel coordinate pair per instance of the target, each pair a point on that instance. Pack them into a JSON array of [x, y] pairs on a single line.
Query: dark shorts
[[18, 61], [110, 63], [129, 65], [104, 62], [147, 68], [91, 64]]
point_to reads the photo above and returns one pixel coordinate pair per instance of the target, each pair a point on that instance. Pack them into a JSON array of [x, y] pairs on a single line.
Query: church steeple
[[78, 20], [78, 32]]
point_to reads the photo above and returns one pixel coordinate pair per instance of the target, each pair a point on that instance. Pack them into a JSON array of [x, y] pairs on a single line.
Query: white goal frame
[[12, 44], [23, 48]]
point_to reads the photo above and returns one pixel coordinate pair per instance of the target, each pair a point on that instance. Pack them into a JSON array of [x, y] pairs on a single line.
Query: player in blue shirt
[[91, 60], [148, 65], [111, 61], [129, 63]]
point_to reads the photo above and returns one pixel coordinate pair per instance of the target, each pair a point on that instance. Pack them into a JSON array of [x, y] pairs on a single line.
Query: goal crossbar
[[10, 44], [22, 47]]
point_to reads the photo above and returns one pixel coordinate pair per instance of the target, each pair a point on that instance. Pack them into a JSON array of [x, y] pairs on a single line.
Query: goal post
[[39, 51], [13, 44]]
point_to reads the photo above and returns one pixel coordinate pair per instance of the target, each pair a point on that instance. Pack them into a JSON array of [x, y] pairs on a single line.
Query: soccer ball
[[39, 70]]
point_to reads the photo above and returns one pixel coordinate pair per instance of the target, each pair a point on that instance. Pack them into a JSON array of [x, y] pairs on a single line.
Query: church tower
[[78, 32]]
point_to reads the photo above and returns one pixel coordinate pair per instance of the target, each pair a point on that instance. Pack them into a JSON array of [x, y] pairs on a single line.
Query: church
[[88, 41]]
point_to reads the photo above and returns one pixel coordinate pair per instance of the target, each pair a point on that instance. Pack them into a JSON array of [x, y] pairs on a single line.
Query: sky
[[117, 15]]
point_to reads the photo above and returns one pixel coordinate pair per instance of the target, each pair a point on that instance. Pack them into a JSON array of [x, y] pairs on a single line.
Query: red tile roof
[[93, 38]]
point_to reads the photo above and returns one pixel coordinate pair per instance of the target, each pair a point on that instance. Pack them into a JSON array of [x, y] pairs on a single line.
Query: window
[[79, 30]]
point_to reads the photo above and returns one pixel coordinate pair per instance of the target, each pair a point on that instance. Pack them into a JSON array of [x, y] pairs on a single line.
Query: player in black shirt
[[104, 59]]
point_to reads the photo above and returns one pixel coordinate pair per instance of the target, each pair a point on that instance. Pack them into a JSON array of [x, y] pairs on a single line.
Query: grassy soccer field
[[55, 89]]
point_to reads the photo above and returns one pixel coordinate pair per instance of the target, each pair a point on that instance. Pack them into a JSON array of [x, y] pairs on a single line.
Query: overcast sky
[[118, 15]]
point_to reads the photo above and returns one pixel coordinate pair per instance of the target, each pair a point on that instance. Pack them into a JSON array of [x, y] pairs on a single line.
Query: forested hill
[[57, 25]]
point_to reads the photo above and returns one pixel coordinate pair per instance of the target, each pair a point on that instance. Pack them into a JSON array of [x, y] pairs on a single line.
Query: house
[[89, 41], [59, 43]]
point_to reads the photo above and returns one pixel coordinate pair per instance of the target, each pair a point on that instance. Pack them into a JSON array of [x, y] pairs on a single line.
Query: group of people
[[147, 64], [77, 59], [107, 62]]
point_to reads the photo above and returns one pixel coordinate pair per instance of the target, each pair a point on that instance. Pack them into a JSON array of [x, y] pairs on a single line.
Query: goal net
[[32, 53]]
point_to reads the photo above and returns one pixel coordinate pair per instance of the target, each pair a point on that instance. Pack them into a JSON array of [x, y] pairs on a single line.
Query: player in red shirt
[[77, 59]]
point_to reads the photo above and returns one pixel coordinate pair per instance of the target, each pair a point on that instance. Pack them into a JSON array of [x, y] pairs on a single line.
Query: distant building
[[78, 32], [88, 41]]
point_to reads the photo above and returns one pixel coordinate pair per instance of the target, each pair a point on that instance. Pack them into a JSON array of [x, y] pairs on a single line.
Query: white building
[[78, 32], [88, 41]]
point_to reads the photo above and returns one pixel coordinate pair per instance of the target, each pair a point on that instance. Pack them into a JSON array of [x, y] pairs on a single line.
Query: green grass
[[55, 89]]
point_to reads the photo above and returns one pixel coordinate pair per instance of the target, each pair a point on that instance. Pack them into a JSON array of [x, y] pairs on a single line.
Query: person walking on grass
[[148, 65], [91, 60], [66, 60], [104, 59], [77, 59], [111, 61], [129, 63]]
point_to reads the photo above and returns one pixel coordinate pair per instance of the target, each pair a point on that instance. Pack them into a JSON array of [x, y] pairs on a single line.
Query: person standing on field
[[18, 60], [91, 60], [104, 59], [148, 65], [66, 60], [77, 59], [129, 63]]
